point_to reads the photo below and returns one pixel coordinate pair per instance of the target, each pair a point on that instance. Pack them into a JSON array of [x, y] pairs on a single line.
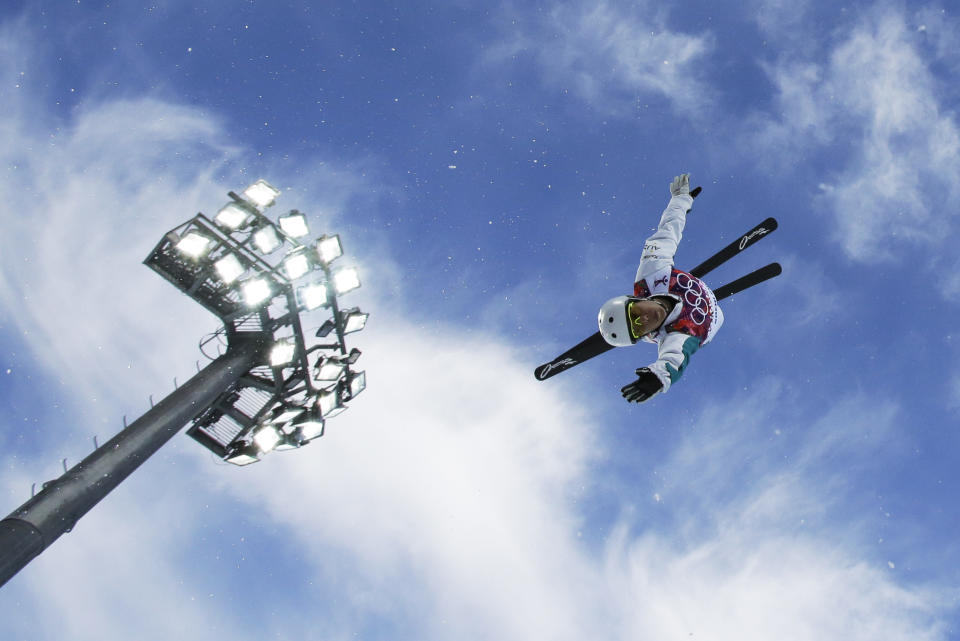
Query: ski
[[595, 345], [753, 278], [583, 351], [734, 248]]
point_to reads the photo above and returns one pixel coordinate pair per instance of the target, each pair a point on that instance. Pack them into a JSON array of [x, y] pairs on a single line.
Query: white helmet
[[614, 326]]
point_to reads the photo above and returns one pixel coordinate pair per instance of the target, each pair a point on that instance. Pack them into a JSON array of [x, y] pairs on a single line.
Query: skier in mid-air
[[669, 307]]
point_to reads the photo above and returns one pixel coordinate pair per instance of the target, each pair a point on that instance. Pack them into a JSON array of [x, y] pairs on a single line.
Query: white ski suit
[[696, 317]]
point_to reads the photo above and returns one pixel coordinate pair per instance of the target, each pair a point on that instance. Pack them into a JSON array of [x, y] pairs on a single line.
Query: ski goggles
[[644, 316]]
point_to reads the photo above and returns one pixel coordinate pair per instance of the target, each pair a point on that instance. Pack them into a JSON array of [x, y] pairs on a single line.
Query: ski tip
[[553, 368], [770, 223], [546, 370]]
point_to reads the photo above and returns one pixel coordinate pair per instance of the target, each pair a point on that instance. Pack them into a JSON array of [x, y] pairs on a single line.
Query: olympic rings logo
[[693, 296]]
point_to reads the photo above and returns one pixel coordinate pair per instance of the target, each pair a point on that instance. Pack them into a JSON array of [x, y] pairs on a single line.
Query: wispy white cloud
[[755, 550], [814, 297], [746, 438], [781, 19], [876, 105], [612, 54], [740, 586], [910, 148], [938, 28]]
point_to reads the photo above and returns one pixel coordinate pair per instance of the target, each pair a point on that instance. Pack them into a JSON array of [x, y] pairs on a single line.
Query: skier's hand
[[680, 185], [646, 385]]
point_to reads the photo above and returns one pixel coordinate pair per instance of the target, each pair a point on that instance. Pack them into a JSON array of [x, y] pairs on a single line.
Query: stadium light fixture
[[312, 296], [243, 457], [352, 357], [258, 275], [232, 216], [287, 443], [330, 403], [261, 193], [346, 280], [229, 268], [354, 320], [327, 327], [307, 426], [294, 224], [357, 382], [282, 353], [329, 369], [329, 248], [194, 245], [296, 264], [310, 429], [266, 239], [266, 438], [256, 291]]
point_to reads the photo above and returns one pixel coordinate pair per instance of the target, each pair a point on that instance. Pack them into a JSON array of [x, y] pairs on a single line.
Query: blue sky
[[493, 169]]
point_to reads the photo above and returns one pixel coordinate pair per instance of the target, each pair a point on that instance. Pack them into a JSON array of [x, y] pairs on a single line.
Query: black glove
[[646, 385]]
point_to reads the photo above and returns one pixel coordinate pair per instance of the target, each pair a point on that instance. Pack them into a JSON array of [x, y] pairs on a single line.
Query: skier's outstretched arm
[[659, 249], [674, 355]]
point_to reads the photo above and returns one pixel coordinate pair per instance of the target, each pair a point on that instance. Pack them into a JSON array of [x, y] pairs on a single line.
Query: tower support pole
[[31, 528]]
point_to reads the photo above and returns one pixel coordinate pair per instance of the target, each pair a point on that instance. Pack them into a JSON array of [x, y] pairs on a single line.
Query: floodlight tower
[[272, 388]]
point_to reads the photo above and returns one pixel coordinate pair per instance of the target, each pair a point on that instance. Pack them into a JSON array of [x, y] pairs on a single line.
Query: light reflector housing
[[266, 438], [329, 369], [232, 216], [327, 327], [229, 268], [282, 353], [296, 265], [313, 296], [294, 224], [329, 403], [261, 193], [255, 291], [354, 320], [358, 383], [311, 429], [346, 280], [242, 458], [194, 245], [329, 248], [266, 239]]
